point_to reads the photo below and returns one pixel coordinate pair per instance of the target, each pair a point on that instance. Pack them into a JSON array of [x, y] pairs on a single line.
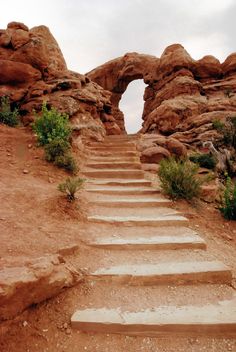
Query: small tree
[[71, 186], [7, 116]]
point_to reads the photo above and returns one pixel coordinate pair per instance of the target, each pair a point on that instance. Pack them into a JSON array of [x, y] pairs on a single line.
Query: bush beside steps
[[54, 132]]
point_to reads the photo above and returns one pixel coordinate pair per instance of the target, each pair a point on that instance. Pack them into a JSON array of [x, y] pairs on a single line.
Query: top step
[[112, 144]]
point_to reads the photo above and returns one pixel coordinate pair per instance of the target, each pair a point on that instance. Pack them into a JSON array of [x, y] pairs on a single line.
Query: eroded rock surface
[[183, 96], [30, 281], [33, 70]]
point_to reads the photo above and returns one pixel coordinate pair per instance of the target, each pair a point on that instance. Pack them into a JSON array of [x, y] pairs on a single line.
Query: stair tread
[[151, 240], [218, 319], [167, 268]]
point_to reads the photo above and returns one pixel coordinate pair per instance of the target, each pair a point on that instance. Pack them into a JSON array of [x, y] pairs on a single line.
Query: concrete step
[[111, 159], [118, 182], [170, 273], [217, 320], [171, 242], [113, 153], [131, 203], [114, 165], [115, 144], [116, 173], [123, 190], [159, 220], [121, 148]]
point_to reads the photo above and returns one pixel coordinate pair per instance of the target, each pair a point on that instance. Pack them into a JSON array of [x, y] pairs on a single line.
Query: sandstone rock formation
[[33, 70], [182, 97], [32, 281]]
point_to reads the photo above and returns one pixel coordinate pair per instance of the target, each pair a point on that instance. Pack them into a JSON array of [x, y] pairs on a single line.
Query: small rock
[[8, 154], [68, 331], [25, 171], [24, 323], [29, 146], [65, 325]]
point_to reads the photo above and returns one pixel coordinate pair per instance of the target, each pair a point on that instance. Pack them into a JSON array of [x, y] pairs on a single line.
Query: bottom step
[[210, 319]]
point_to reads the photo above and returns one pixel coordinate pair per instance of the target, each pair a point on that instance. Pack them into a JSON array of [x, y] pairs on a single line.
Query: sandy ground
[[36, 220]]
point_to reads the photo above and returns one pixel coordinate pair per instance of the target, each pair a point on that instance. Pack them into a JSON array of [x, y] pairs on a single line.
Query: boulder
[[154, 155], [17, 25], [176, 148], [13, 73], [32, 282], [19, 38]]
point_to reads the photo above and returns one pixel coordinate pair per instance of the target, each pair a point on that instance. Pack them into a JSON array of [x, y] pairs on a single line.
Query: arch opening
[[131, 104]]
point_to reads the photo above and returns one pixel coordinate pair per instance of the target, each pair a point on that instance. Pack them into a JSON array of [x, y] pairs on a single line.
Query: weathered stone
[[176, 148], [154, 155], [19, 38], [32, 282], [17, 25], [17, 72]]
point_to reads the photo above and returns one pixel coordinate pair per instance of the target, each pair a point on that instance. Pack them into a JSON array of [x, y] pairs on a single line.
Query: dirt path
[[115, 248]]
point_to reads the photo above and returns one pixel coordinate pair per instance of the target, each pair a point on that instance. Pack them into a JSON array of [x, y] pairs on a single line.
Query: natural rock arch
[[183, 95], [116, 75]]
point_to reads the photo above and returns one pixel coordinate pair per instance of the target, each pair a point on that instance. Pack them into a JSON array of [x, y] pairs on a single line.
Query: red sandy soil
[[36, 220]]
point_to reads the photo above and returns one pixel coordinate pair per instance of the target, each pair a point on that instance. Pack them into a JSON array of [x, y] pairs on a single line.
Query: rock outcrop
[[33, 70], [27, 282], [182, 97]]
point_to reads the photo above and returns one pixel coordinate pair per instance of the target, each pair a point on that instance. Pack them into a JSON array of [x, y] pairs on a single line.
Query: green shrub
[[204, 160], [51, 125], [66, 162], [228, 208], [56, 148], [70, 187], [179, 178], [229, 132], [10, 118], [218, 125]]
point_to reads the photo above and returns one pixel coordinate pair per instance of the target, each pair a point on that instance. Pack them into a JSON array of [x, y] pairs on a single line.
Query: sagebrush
[[228, 206], [71, 186], [7, 116], [56, 148], [179, 178], [66, 162]]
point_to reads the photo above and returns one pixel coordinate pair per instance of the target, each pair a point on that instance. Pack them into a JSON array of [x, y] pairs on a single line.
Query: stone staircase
[[161, 252]]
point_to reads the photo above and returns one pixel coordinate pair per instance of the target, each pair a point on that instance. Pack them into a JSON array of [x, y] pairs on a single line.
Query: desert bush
[[228, 206], [56, 148], [7, 116], [51, 125], [179, 178], [204, 160], [71, 186], [218, 125], [66, 162], [227, 130]]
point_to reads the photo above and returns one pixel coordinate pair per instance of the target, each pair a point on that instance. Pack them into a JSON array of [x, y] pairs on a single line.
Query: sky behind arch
[[91, 32]]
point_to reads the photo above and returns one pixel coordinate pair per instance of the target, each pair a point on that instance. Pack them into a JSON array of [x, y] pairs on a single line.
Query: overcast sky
[[91, 32]]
